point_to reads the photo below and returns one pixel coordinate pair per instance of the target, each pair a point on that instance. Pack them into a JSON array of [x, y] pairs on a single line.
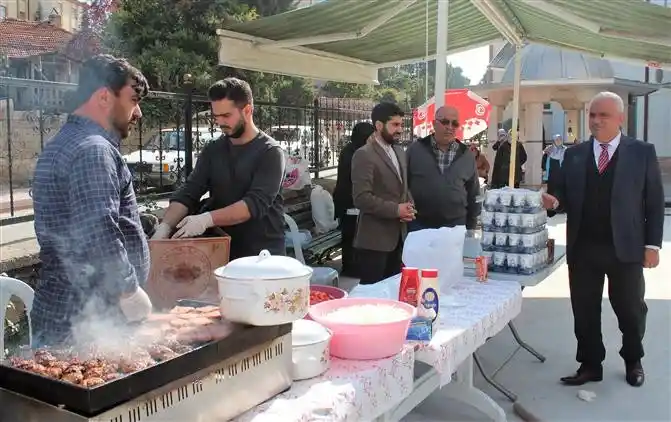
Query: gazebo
[[550, 74]]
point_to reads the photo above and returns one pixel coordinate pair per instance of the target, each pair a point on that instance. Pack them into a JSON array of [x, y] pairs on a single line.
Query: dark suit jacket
[[377, 191], [637, 202]]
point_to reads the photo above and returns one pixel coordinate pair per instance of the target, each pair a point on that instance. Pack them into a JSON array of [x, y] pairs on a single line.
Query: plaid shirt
[[92, 246], [445, 158]]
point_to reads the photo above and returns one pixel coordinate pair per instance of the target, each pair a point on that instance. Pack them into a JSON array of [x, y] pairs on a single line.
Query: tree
[[170, 38], [404, 84], [271, 7]]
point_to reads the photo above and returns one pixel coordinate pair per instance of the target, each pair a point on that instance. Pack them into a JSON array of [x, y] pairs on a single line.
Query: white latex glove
[[193, 225], [137, 306], [163, 231]]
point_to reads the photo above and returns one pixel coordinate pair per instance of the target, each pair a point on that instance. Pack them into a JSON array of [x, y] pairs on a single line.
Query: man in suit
[[380, 192], [611, 190]]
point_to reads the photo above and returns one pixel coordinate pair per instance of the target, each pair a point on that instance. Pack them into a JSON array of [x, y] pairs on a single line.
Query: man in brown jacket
[[380, 191]]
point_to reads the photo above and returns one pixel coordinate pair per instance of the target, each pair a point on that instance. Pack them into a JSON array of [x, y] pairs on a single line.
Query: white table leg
[[463, 390]]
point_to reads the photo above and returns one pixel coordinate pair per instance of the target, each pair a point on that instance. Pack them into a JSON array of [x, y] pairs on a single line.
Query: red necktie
[[603, 158]]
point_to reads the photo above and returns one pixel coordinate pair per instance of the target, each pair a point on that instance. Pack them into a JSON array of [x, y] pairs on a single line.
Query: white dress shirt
[[389, 150]]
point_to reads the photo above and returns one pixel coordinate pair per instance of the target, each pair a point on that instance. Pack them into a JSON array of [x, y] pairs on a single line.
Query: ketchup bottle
[[409, 287]]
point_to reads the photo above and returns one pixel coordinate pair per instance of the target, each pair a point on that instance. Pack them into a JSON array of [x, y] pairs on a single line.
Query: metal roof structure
[[348, 40]]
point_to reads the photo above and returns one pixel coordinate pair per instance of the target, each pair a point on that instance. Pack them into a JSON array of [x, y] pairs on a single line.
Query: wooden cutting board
[[184, 269]]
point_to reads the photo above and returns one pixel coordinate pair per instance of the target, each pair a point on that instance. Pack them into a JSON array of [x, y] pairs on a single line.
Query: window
[[3, 12], [547, 106], [74, 18]]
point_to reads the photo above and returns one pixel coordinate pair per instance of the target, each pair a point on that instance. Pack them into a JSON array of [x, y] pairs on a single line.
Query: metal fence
[[163, 147]]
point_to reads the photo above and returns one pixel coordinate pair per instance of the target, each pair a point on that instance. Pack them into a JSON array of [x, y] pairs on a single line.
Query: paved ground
[[546, 323]]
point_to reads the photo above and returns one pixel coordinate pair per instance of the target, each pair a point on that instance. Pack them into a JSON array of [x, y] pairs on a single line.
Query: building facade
[[69, 12]]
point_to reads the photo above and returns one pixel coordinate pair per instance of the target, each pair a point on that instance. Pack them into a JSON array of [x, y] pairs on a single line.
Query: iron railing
[[164, 145]]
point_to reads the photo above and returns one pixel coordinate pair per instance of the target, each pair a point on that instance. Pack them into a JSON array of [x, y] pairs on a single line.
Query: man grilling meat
[[93, 250], [242, 171]]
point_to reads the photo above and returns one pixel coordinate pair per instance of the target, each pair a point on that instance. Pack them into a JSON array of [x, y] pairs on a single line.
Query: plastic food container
[[333, 292], [364, 341]]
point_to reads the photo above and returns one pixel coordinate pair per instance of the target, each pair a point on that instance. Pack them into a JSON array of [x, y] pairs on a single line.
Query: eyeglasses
[[446, 122]]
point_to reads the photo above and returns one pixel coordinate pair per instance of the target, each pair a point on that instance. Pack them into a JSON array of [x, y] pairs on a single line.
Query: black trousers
[[348, 231], [592, 262], [375, 266]]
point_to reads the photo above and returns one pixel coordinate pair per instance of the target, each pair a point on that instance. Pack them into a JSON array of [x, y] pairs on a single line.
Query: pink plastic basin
[[363, 341], [334, 292]]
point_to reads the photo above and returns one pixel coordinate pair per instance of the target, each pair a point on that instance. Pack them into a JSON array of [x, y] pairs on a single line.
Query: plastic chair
[[325, 276], [12, 287]]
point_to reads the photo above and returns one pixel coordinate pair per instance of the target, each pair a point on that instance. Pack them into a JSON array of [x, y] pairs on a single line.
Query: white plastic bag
[[441, 249], [297, 173], [323, 210]]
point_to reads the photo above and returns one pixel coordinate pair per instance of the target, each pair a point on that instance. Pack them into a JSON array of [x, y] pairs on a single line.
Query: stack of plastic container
[[514, 236]]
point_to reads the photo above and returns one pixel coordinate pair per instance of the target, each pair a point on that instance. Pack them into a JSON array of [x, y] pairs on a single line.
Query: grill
[[218, 391]]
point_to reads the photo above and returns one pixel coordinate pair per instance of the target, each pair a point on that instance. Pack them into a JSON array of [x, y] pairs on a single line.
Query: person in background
[[243, 172], [93, 250], [342, 196], [380, 192], [501, 136], [502, 161], [442, 177], [481, 162], [553, 157], [611, 189]]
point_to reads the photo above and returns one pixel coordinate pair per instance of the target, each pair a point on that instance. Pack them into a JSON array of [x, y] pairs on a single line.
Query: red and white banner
[[473, 113]]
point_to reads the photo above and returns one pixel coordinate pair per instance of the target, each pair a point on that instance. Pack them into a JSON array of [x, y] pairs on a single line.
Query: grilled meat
[[73, 377], [92, 382], [167, 336], [160, 352]]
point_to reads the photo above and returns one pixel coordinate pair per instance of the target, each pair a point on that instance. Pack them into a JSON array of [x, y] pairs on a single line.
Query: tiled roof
[[21, 39]]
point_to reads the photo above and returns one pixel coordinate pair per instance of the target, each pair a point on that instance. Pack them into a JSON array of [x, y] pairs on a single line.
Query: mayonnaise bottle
[[428, 303]]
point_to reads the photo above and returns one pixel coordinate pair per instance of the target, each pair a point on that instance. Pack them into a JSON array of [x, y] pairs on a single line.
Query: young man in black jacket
[[443, 177]]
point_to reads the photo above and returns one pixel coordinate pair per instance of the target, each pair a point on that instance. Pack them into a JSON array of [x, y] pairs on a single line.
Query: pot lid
[[306, 332], [264, 267]]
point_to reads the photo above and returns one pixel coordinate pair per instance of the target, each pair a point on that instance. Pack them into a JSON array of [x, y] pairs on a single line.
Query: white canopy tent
[[349, 40]]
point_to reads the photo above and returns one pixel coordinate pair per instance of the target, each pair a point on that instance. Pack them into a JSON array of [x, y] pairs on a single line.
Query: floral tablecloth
[[484, 310], [349, 391]]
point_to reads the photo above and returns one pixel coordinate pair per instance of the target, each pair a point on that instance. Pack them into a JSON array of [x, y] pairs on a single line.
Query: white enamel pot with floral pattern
[[264, 290]]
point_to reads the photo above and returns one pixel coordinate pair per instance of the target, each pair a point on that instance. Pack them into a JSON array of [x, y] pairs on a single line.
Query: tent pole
[[516, 115], [441, 53]]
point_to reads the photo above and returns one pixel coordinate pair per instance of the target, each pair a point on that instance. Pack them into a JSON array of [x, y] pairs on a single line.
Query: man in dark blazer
[[611, 190], [380, 192]]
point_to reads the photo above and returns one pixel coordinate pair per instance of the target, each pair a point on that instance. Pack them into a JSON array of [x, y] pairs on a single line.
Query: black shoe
[[584, 375], [634, 374]]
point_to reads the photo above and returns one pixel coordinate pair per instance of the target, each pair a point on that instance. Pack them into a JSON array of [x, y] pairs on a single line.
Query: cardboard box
[[184, 269]]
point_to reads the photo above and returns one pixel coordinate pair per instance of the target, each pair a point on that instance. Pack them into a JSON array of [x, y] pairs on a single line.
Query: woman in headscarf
[[553, 157], [342, 196]]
